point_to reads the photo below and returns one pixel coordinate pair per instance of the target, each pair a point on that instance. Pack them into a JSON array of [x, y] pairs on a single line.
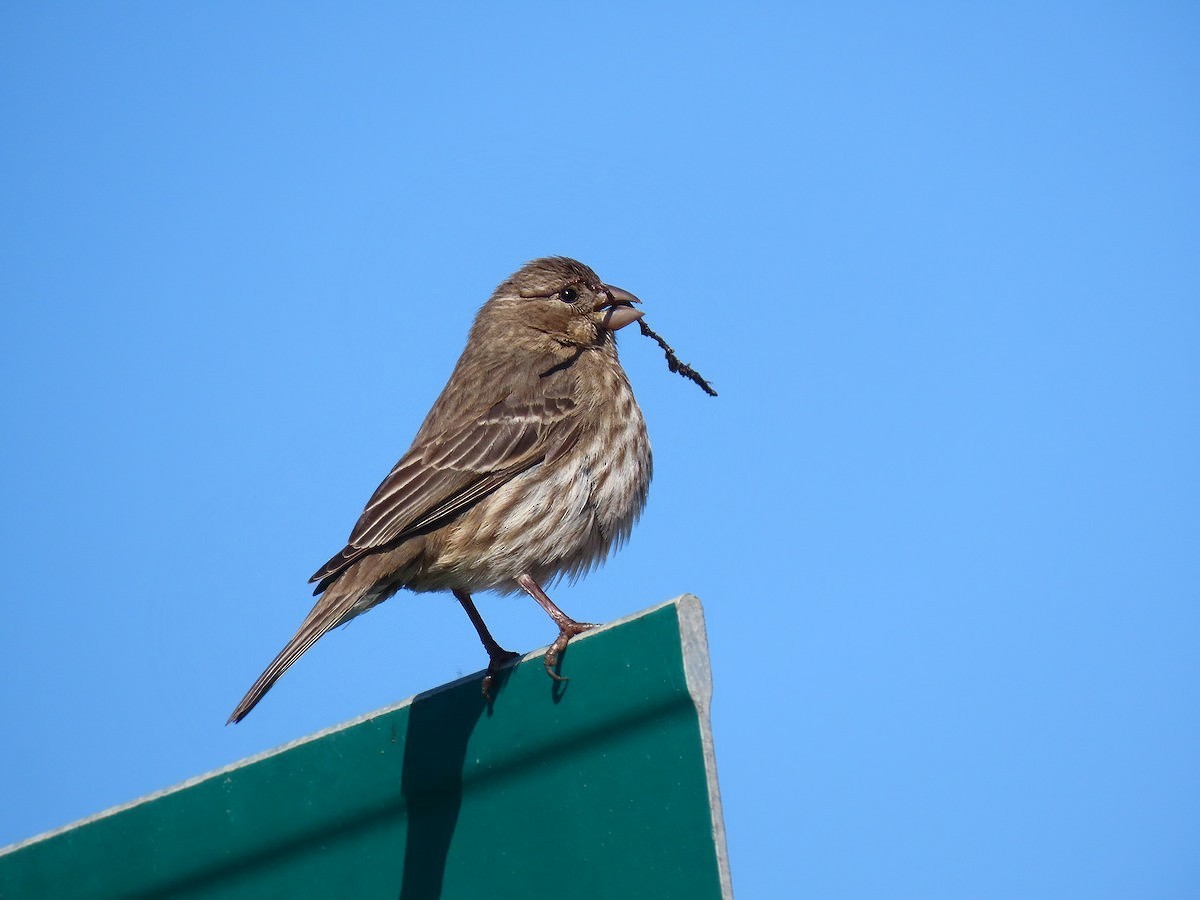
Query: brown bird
[[533, 463]]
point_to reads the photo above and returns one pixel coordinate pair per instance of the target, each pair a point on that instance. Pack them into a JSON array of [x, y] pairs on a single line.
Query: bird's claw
[[567, 630], [495, 664]]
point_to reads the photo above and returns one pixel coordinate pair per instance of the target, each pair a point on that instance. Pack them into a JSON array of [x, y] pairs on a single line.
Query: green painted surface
[[600, 787]]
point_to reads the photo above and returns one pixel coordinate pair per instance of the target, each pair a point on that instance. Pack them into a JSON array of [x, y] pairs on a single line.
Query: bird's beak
[[617, 311]]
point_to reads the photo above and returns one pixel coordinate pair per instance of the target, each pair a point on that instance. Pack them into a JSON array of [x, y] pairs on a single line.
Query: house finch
[[533, 463]]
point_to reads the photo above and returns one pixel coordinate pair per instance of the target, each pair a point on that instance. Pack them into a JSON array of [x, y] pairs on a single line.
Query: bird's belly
[[561, 517]]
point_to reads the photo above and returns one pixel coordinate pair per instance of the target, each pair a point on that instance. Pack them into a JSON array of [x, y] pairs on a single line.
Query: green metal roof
[[601, 787]]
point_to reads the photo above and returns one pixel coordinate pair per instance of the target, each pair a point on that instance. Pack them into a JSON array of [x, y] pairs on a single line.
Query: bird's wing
[[449, 472]]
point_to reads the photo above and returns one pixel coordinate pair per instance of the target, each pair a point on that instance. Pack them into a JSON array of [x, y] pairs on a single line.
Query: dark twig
[[673, 362]]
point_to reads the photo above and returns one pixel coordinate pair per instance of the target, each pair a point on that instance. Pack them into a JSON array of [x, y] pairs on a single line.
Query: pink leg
[[567, 627]]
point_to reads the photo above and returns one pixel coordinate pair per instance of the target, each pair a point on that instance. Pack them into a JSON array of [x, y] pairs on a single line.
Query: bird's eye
[[568, 295]]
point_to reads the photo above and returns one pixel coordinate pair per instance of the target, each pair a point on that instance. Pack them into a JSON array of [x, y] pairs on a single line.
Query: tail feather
[[329, 612]]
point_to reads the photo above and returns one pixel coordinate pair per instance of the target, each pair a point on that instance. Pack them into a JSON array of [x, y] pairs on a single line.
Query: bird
[[533, 464]]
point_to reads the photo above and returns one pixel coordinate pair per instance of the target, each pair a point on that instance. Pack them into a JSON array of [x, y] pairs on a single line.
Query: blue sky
[[940, 260]]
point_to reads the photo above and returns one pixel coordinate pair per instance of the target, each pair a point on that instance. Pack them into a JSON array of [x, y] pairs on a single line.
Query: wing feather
[[448, 473]]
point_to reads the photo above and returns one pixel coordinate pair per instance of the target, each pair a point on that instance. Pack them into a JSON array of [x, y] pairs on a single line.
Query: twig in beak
[[673, 362]]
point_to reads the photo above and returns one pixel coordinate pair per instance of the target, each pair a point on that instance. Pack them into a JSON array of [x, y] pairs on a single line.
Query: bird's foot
[[567, 630], [496, 662]]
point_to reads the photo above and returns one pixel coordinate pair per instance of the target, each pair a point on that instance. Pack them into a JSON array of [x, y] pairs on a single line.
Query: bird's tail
[[329, 612]]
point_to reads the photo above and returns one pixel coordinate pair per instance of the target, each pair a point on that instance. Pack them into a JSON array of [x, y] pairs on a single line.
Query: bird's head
[[565, 299]]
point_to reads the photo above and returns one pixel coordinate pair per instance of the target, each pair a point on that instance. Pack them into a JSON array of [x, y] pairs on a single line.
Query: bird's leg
[[498, 657], [567, 627]]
